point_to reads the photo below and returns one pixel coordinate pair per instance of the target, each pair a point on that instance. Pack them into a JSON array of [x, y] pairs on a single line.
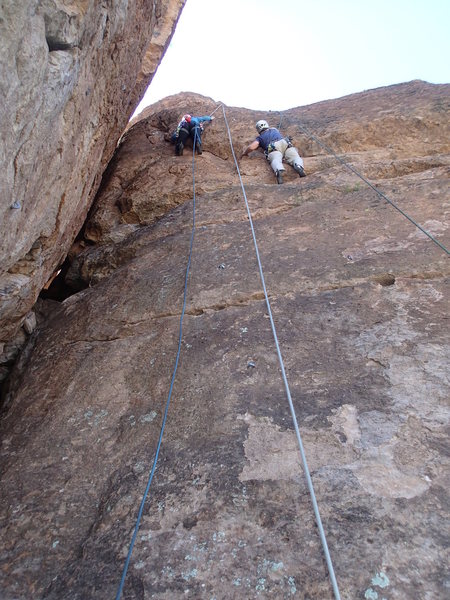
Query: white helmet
[[261, 125]]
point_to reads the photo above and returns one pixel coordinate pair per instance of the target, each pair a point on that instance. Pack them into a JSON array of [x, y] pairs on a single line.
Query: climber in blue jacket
[[189, 127]]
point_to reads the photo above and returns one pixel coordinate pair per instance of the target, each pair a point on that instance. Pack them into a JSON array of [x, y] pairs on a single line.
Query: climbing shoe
[[198, 147], [179, 149], [300, 170], [280, 176]]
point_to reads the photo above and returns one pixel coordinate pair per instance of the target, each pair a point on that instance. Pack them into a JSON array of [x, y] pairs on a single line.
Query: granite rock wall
[[360, 299], [72, 73]]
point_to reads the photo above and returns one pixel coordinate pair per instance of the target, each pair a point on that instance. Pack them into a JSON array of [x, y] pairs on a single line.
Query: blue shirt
[[268, 136]]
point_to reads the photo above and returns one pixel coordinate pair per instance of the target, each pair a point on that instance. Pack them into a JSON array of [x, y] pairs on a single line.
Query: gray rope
[[286, 384], [281, 119], [217, 108], [350, 168]]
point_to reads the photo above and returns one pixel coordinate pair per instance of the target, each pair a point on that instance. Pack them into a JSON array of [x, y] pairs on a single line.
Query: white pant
[[282, 149]]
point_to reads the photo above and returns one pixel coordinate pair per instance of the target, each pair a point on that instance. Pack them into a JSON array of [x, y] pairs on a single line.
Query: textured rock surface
[[72, 74], [360, 300]]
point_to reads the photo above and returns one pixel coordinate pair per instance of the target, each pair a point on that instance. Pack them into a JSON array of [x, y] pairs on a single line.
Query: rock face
[[359, 298], [72, 74]]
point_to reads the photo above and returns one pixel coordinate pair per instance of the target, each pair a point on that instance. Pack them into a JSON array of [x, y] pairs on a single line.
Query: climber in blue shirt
[[276, 147], [189, 127]]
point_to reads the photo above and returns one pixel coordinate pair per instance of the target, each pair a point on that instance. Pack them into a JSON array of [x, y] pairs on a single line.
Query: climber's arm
[[253, 146]]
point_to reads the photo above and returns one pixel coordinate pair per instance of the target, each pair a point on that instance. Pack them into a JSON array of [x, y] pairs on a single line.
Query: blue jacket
[[196, 121]]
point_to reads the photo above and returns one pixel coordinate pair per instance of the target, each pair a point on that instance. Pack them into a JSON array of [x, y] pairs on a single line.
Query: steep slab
[[359, 298]]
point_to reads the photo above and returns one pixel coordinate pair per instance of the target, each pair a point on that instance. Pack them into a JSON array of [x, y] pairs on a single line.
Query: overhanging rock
[[72, 74]]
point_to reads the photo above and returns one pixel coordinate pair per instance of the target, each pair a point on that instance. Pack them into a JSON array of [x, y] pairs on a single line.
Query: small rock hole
[[190, 522], [54, 45], [385, 279]]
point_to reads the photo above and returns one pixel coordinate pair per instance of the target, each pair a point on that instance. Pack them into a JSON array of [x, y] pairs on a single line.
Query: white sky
[[278, 54]]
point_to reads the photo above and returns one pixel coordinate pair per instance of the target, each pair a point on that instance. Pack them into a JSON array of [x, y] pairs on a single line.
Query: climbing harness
[[166, 410], [271, 147], [286, 384]]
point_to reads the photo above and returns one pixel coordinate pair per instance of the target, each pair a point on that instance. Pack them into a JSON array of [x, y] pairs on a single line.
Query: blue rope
[[152, 472], [286, 386]]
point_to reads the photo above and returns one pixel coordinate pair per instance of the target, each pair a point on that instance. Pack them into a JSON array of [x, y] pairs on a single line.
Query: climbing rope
[[353, 170], [217, 108], [180, 336], [286, 384], [281, 119]]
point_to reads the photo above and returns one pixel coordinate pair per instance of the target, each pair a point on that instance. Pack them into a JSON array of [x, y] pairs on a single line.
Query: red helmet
[[187, 118]]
